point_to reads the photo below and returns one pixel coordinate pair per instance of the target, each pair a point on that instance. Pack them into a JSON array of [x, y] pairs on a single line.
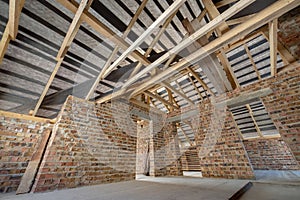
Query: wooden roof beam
[[102, 29], [273, 28], [112, 56], [182, 95], [199, 33], [74, 27], [273, 11], [168, 12], [159, 98], [11, 29]]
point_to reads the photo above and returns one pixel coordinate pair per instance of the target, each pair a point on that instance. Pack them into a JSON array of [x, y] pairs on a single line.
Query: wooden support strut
[[11, 29], [105, 70], [199, 33], [73, 29], [273, 11]]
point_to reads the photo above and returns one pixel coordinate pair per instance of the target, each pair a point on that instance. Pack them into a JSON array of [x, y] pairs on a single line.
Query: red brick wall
[[289, 31], [219, 146], [161, 146], [91, 144], [166, 152], [282, 105], [270, 154], [19, 139]]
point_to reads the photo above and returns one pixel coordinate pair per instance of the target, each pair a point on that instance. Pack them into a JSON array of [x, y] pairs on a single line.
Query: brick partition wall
[[161, 147], [270, 154], [91, 144], [165, 152], [220, 149], [282, 105], [19, 139]]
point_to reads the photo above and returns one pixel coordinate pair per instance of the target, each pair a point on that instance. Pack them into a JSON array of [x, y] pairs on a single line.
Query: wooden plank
[[199, 33], [11, 29], [112, 56], [73, 29], [28, 177], [273, 11], [286, 56], [252, 61], [167, 13], [182, 95], [25, 117], [46, 88], [242, 99], [273, 45], [196, 88], [239, 20], [228, 69], [4, 43], [102, 29], [224, 3], [213, 13], [254, 121], [13, 18], [159, 98], [153, 43], [15, 7], [200, 81], [237, 127]]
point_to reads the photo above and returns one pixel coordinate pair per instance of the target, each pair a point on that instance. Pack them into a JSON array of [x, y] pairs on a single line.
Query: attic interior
[[149, 99]]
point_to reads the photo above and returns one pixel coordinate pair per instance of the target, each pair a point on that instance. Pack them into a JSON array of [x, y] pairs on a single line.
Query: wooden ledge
[[26, 117]]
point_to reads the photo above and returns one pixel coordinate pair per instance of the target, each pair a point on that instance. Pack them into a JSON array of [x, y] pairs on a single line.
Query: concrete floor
[[269, 185]]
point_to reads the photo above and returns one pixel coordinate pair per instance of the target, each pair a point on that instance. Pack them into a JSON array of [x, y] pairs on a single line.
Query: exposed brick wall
[[289, 31], [270, 154], [220, 149], [91, 144], [143, 147], [282, 105], [166, 153], [19, 139]]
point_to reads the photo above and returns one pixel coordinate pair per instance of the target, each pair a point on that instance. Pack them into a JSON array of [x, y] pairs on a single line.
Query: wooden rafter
[[168, 12], [273, 45], [196, 88], [199, 33], [153, 43], [11, 29], [224, 3], [182, 95], [112, 56], [239, 20], [284, 53], [102, 29], [73, 29], [194, 74], [273, 11], [252, 61], [159, 98], [254, 121]]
